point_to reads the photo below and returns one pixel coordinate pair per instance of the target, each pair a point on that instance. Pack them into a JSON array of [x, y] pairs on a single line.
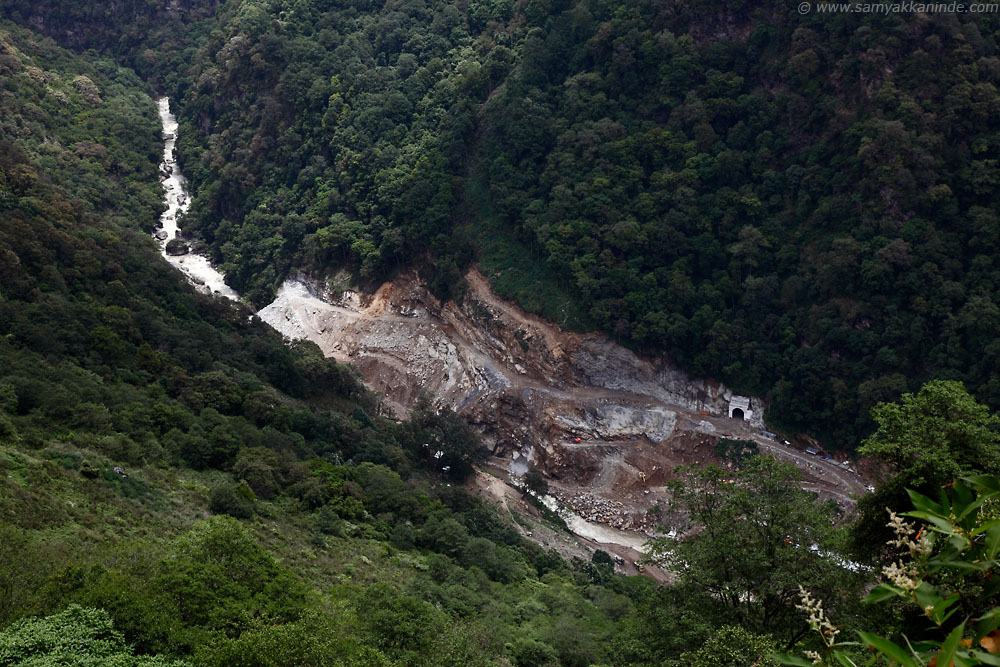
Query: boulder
[[177, 247]]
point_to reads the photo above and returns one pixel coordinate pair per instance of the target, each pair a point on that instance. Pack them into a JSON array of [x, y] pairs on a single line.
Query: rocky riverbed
[[173, 246]]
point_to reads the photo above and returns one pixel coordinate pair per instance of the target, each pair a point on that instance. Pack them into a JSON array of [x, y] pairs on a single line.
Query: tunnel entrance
[[739, 408]]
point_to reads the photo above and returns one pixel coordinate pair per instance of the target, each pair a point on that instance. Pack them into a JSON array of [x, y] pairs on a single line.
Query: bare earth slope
[[606, 426]]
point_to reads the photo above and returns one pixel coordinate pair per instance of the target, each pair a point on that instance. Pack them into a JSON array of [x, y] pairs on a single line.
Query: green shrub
[[76, 636], [236, 500]]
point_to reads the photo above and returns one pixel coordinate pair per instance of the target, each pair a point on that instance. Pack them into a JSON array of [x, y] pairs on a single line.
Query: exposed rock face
[[614, 422], [522, 380]]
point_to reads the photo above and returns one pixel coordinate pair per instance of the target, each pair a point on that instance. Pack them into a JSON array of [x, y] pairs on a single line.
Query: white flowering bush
[[947, 566]]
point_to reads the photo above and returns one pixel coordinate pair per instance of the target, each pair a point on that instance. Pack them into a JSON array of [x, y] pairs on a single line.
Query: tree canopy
[[934, 436], [747, 541], [76, 636], [925, 441], [800, 205]]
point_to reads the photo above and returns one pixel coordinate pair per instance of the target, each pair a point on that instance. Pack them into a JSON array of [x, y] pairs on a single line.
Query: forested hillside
[[799, 205], [802, 206], [138, 418], [177, 486]]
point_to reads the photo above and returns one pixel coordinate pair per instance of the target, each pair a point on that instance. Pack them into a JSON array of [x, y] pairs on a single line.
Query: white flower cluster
[[817, 619], [921, 546], [901, 575]]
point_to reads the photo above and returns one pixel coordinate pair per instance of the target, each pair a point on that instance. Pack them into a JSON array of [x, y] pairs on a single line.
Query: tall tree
[[749, 539], [924, 441], [934, 436]]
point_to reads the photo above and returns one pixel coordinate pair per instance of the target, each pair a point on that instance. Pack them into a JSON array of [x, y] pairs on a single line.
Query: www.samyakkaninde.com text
[[899, 7]]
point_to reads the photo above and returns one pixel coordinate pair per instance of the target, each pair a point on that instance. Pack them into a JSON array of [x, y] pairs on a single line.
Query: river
[[197, 268], [596, 532]]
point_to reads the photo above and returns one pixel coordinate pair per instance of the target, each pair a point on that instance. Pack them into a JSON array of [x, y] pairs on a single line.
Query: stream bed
[[596, 532], [197, 268]]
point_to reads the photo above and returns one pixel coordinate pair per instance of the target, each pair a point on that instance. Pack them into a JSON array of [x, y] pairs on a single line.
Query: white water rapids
[[197, 268], [595, 531]]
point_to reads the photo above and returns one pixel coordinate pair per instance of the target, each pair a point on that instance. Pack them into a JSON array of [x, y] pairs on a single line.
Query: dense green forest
[[800, 205], [794, 204]]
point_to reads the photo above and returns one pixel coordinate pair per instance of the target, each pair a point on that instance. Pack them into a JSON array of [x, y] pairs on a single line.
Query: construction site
[[605, 427]]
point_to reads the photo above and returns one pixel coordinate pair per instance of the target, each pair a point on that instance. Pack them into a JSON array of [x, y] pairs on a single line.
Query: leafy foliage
[[76, 636], [926, 440], [736, 452], [935, 435], [732, 646], [535, 482], [946, 570], [445, 440], [749, 540]]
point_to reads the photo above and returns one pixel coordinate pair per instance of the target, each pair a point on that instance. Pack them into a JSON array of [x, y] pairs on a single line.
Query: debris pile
[[597, 509]]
